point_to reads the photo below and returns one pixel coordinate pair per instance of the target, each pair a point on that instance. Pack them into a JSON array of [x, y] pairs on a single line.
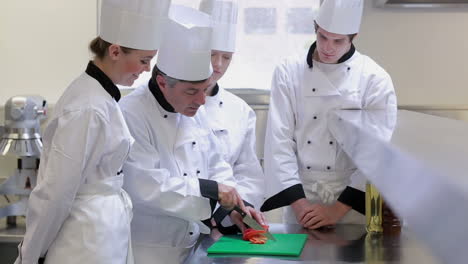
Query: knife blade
[[253, 223]]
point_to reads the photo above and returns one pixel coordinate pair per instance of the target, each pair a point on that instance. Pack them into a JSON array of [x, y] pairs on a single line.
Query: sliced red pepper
[[255, 236], [258, 239], [248, 233]]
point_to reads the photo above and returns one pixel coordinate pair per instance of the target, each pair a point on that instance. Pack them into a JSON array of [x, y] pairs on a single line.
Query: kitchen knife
[[253, 223]]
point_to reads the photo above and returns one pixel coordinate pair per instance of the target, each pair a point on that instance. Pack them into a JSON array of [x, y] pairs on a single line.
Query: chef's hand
[[229, 197], [324, 215], [301, 207], [236, 218]]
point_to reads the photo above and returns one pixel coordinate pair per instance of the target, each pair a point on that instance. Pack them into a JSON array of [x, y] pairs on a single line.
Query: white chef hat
[[340, 16], [133, 24], [224, 17], [185, 51]]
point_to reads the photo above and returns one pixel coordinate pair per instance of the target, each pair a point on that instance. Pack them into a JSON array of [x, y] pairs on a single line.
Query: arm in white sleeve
[[219, 170], [281, 167], [154, 187], [380, 94], [247, 170], [248, 174], [75, 137]]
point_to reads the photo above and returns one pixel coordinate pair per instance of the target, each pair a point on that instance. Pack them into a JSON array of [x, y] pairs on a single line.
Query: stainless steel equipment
[[21, 138]]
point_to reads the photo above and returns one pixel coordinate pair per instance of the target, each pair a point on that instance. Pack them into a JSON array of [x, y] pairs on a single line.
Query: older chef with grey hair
[[175, 152], [231, 118], [78, 212], [306, 167]]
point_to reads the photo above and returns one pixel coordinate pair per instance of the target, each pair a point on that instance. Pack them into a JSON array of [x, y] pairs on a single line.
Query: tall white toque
[[185, 52], [224, 17], [340, 16], [135, 24]]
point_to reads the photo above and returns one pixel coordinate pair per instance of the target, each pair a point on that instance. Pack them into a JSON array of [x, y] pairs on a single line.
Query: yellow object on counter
[[373, 209]]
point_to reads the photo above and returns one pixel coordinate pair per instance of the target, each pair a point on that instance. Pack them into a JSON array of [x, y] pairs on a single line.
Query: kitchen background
[[44, 46]]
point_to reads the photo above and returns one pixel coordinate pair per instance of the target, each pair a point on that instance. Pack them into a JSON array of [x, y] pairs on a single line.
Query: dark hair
[[351, 36], [99, 47], [170, 80]]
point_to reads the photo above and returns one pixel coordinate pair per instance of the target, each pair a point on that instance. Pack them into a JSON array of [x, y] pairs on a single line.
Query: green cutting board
[[285, 245]]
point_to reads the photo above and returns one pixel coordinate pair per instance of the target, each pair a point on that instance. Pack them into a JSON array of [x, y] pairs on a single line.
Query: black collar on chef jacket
[[343, 58], [108, 85], [156, 91], [215, 90]]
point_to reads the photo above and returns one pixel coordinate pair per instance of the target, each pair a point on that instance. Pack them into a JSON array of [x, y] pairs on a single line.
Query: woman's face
[[220, 61], [132, 64]]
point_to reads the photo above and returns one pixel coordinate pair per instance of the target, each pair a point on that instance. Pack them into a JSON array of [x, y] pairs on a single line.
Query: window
[[300, 20], [259, 20], [267, 31]]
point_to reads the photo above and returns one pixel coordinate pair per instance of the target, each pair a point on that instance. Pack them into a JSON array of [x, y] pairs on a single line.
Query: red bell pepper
[[255, 236]]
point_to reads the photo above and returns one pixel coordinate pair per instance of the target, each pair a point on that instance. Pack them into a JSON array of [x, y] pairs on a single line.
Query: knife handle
[[237, 209]]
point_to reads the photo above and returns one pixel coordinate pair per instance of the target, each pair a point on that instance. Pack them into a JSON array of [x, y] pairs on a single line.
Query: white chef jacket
[[233, 122], [301, 155], [172, 152], [78, 212]]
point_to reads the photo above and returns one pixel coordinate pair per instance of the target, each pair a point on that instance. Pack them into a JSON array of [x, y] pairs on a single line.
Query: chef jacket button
[[315, 117], [349, 68], [165, 116], [331, 142], [194, 143], [222, 130], [308, 167], [190, 233], [185, 174], [221, 103], [313, 89], [328, 168], [308, 142], [198, 171]]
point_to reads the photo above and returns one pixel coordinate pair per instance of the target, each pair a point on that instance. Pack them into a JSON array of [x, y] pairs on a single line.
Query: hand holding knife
[[228, 197], [252, 223]]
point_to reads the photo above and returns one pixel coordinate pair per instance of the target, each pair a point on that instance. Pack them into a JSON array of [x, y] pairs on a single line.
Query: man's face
[[220, 61], [185, 97], [330, 46]]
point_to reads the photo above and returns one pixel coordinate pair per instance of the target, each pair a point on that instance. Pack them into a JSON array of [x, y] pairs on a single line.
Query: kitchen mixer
[[20, 137]]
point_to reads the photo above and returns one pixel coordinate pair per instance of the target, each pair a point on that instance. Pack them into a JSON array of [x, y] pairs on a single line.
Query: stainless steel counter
[[13, 234], [344, 244], [10, 237], [419, 163]]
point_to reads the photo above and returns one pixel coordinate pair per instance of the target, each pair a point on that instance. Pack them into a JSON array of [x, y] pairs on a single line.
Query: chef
[[78, 212], [231, 118], [175, 151], [306, 169]]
